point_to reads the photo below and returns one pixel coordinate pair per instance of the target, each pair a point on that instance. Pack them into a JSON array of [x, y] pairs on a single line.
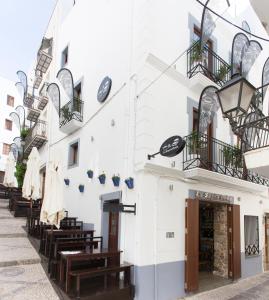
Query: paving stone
[[17, 251], [27, 282], [9, 227], [5, 214], [255, 287]]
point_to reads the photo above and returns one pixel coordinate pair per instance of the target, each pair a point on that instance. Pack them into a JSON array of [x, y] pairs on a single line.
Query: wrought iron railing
[[217, 156], [38, 130], [207, 62], [73, 110], [252, 250]]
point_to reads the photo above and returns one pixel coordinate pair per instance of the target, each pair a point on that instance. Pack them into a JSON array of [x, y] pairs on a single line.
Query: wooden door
[[113, 236], [191, 245], [266, 229], [234, 244]]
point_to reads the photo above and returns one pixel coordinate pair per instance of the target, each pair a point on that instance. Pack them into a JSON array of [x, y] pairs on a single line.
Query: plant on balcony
[[67, 115], [24, 133], [222, 72], [20, 172], [232, 156], [228, 155], [196, 52], [102, 178], [194, 142], [116, 180]]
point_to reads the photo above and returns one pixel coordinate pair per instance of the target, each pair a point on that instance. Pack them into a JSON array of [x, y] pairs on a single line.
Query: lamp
[[235, 96]]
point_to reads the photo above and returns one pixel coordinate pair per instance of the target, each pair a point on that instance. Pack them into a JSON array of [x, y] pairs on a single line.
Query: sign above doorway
[[206, 196]]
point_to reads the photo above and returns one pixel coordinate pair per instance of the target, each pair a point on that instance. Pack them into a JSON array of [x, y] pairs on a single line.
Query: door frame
[[191, 281]]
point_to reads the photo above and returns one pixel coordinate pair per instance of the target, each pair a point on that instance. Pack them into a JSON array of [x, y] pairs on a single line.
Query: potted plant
[[66, 181], [129, 182], [238, 158], [81, 188], [90, 173], [102, 178], [222, 71], [228, 155], [196, 52], [66, 114], [194, 142], [116, 180]]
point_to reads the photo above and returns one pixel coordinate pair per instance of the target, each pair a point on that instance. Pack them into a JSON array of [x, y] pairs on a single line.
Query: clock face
[[104, 89]]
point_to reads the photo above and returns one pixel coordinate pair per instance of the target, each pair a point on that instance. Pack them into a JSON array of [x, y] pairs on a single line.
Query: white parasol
[[52, 211], [10, 179], [31, 182]]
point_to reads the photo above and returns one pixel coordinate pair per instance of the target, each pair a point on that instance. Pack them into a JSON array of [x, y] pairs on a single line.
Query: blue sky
[[22, 26]]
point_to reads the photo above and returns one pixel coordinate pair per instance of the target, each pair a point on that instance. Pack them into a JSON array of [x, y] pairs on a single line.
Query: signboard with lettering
[[172, 146], [214, 197]]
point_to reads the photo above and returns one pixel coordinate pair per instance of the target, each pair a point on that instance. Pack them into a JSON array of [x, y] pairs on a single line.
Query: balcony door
[[207, 57], [206, 151]]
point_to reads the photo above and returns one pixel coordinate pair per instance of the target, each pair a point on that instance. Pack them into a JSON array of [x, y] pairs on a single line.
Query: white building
[[10, 99], [134, 44]]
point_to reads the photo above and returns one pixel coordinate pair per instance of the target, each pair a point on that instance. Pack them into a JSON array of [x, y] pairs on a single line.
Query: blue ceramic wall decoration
[[81, 188], [130, 183], [102, 178], [66, 181], [116, 180], [90, 173]]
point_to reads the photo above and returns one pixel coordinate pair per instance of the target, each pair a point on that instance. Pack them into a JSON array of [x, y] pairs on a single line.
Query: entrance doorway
[[212, 244]]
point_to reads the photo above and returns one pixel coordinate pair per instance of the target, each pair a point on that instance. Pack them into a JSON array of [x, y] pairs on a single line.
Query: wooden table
[[50, 235], [68, 258]]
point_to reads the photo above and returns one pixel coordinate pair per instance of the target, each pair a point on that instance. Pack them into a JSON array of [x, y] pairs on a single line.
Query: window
[[65, 57], [251, 235], [8, 124], [6, 149], [73, 154], [10, 100]]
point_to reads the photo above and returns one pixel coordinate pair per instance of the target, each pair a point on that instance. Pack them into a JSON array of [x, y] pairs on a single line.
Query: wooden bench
[[67, 244], [101, 271]]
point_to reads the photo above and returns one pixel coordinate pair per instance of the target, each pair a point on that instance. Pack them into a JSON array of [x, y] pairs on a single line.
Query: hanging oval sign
[[104, 89], [172, 146]]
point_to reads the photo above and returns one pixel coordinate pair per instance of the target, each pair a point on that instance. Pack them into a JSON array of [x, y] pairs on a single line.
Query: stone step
[[17, 251]]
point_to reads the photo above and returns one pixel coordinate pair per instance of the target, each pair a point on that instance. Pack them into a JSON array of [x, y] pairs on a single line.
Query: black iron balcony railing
[[217, 156], [207, 62], [36, 136], [73, 110]]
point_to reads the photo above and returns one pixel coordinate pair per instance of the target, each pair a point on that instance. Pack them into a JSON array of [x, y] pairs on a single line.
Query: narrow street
[[256, 287], [21, 274]]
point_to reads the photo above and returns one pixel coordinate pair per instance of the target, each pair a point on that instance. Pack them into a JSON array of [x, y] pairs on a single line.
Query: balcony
[[257, 156], [44, 59], [71, 116], [38, 79], [213, 155], [207, 63], [42, 102], [36, 137], [33, 112]]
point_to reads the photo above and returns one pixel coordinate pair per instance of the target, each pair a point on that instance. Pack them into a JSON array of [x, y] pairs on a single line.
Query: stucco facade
[[134, 42]]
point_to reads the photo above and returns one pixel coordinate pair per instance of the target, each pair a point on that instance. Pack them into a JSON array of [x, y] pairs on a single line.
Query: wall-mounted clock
[[104, 89]]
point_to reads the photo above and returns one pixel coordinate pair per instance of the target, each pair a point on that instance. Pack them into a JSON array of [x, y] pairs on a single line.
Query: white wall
[[7, 87]]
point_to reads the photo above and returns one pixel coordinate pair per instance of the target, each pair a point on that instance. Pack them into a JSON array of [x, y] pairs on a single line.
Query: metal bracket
[[150, 156]]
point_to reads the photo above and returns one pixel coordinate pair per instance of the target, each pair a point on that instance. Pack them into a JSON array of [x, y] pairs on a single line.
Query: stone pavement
[[21, 275], [252, 288]]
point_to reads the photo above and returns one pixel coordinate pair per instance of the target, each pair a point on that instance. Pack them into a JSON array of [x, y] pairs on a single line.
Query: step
[[17, 251]]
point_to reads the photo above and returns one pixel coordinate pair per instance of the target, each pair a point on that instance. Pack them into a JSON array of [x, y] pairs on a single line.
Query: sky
[[22, 26]]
